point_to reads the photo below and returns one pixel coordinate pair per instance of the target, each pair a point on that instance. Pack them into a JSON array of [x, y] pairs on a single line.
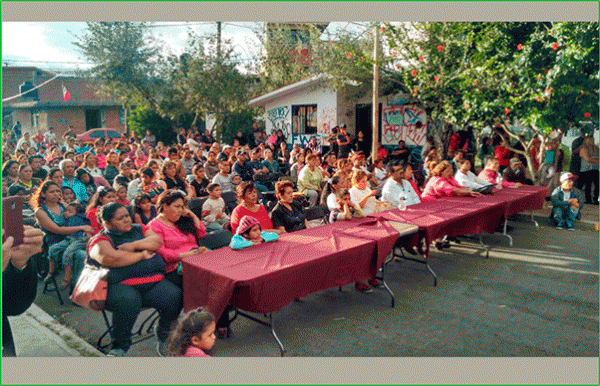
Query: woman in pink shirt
[[443, 184], [178, 228]]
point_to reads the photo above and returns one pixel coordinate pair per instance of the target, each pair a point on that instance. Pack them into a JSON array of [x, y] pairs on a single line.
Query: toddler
[[64, 250], [68, 195], [213, 209], [249, 233], [193, 335]]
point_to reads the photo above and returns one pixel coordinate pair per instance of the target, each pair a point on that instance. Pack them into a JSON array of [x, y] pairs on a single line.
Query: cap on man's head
[[567, 176], [515, 161], [342, 126]]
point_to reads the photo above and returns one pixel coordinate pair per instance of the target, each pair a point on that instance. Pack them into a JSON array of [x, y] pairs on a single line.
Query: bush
[[233, 122]]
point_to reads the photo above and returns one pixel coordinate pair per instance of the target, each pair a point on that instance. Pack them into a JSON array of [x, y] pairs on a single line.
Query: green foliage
[[143, 118], [126, 62], [241, 120]]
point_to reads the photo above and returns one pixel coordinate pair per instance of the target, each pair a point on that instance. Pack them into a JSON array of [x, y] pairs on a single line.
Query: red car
[[103, 132]]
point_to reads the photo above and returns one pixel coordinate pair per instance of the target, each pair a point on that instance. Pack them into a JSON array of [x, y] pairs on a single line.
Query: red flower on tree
[[414, 91], [506, 111], [587, 115], [555, 46], [349, 55], [440, 48], [582, 93], [362, 58], [537, 99], [539, 76], [382, 29], [331, 42], [511, 75], [421, 59], [413, 72], [398, 66], [457, 91], [435, 78], [519, 47], [394, 53], [512, 84]]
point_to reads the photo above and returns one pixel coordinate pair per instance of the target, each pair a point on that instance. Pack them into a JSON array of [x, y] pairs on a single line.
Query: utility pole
[[219, 39], [375, 95]]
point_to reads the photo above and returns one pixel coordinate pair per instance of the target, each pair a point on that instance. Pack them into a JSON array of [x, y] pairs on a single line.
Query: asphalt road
[[536, 298]]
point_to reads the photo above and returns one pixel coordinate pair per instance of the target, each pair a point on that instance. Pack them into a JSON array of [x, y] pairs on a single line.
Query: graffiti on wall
[[304, 139], [279, 119], [327, 120], [400, 123]]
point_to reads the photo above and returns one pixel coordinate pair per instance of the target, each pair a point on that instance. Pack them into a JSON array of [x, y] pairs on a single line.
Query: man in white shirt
[[49, 135], [396, 189], [466, 177]]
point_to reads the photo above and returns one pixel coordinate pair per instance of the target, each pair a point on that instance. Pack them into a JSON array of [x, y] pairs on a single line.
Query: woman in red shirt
[[249, 206]]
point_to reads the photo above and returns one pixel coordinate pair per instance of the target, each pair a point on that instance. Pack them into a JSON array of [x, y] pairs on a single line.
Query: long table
[[267, 277], [459, 216]]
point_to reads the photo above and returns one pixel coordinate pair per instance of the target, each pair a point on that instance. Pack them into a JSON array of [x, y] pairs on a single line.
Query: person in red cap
[[566, 203], [249, 233]]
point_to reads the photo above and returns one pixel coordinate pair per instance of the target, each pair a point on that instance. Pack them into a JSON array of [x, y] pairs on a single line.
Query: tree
[[127, 63], [489, 74], [208, 82], [142, 119]]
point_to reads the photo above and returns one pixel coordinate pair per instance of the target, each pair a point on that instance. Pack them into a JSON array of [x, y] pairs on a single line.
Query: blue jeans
[[126, 302], [564, 217]]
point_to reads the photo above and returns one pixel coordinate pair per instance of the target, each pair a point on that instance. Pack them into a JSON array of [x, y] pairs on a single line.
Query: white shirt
[[356, 195], [393, 192], [379, 175], [331, 202], [215, 207], [469, 180], [224, 182], [49, 136]]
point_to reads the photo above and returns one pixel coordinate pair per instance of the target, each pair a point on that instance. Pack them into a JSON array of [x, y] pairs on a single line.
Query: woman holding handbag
[[136, 276]]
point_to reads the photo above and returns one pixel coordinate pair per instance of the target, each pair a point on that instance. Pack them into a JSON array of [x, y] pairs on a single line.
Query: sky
[[49, 45]]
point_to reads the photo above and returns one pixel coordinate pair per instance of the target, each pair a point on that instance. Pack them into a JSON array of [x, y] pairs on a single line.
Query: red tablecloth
[[267, 277], [457, 216]]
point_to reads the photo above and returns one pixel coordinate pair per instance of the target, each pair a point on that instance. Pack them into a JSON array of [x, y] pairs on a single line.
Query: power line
[[42, 61]]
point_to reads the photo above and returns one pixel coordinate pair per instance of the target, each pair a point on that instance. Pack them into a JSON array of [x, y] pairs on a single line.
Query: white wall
[[278, 114]]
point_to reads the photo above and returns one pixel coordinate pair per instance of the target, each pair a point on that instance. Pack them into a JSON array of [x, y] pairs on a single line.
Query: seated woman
[[466, 177], [361, 194], [102, 197], [50, 214], [92, 183], [172, 179], [287, 215], [90, 165], [297, 166], [136, 278], [328, 198], [179, 229], [310, 179], [26, 180], [490, 174], [150, 185], [249, 206], [442, 184]]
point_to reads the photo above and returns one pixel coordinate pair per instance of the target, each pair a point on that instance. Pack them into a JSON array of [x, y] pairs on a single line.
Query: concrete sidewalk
[[37, 334]]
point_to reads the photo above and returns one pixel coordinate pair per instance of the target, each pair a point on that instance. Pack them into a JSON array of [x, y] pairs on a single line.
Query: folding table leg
[[486, 247], [382, 278], [507, 235], [537, 226], [270, 324], [423, 261]]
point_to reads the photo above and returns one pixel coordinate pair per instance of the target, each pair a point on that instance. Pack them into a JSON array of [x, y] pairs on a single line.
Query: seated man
[[466, 177], [566, 203], [401, 153], [516, 172]]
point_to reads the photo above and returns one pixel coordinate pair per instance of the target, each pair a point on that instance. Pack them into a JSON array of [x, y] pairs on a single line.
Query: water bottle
[[402, 205]]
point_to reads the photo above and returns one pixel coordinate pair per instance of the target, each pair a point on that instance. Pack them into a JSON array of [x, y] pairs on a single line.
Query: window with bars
[[304, 119]]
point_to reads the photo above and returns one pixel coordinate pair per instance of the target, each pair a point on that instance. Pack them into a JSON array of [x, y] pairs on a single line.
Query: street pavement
[[538, 298]]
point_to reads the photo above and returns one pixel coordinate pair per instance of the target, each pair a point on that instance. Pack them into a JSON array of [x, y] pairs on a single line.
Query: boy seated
[[566, 203]]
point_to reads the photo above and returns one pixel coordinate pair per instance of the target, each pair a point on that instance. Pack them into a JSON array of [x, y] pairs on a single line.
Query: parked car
[[102, 132]]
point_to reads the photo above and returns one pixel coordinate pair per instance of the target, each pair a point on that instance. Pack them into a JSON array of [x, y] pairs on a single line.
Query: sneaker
[[375, 283], [161, 349], [362, 287], [570, 228], [117, 352], [559, 228]]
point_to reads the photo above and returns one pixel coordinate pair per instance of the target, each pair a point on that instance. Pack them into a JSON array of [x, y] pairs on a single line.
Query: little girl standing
[[193, 334]]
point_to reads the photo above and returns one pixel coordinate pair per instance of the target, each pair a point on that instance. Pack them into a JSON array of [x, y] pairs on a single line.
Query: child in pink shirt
[[194, 333]]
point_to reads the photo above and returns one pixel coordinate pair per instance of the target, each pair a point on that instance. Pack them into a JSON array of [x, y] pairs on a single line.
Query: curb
[[69, 337]]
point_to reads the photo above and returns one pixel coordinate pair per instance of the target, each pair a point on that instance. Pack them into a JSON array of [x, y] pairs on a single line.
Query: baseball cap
[[515, 161], [567, 176]]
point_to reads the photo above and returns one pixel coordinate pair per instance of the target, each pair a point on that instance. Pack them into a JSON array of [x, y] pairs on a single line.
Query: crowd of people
[[123, 204]]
